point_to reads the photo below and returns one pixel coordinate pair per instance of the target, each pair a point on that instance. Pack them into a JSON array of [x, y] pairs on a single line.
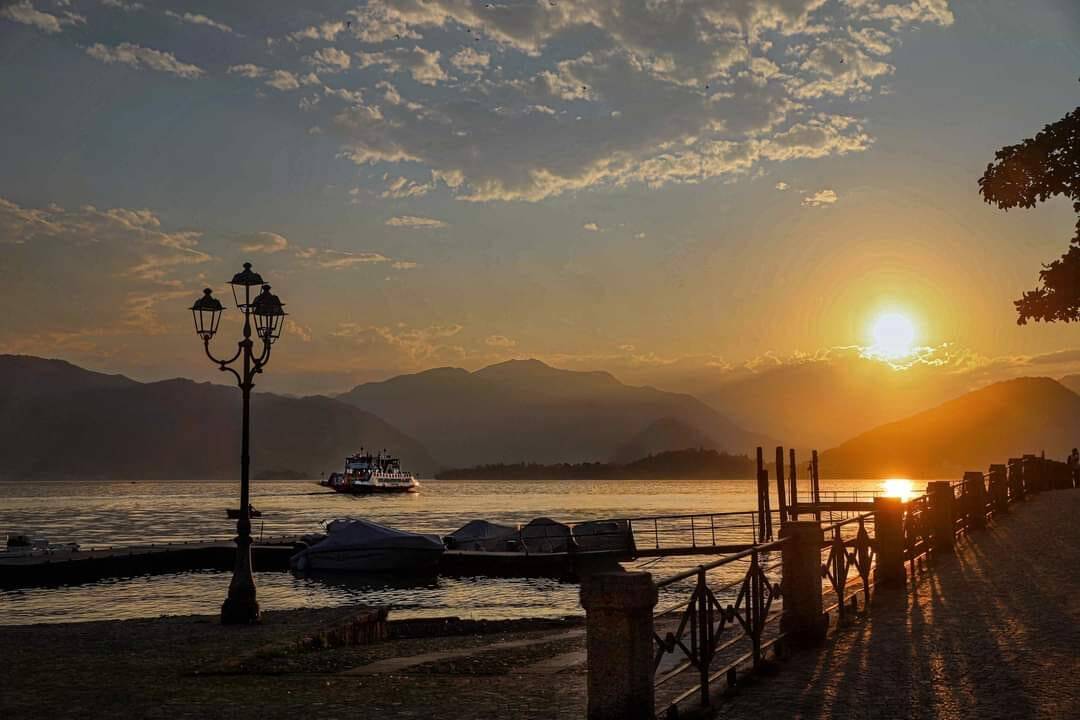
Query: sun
[[893, 334]]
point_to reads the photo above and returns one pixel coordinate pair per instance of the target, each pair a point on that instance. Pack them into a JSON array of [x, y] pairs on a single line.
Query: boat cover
[[544, 535], [604, 535], [356, 534], [482, 535]]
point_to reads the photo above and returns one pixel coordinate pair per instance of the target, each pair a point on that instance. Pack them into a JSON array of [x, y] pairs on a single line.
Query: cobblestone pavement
[[990, 633]]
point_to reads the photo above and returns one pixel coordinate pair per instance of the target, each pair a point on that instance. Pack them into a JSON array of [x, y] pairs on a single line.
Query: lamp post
[[241, 606]]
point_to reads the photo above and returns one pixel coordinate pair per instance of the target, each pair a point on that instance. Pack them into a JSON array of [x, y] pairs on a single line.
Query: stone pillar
[[1016, 479], [619, 641], [999, 488], [975, 498], [942, 527], [889, 540], [802, 616]]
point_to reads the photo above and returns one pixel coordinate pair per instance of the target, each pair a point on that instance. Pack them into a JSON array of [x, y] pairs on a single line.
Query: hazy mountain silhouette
[[1072, 382], [819, 403], [524, 410], [1006, 419], [663, 435], [58, 420]]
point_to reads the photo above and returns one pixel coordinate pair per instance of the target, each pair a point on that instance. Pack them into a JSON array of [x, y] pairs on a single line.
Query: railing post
[[975, 491], [999, 488], [942, 526], [619, 643], [889, 541], [802, 619]]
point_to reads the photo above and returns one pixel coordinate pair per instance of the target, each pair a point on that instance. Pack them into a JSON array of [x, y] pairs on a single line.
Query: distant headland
[[692, 463]]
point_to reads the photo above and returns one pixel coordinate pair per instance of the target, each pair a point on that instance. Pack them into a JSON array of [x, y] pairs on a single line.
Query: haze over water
[[102, 514]]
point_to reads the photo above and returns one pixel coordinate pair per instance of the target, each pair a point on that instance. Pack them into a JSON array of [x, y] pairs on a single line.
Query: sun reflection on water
[[899, 487]]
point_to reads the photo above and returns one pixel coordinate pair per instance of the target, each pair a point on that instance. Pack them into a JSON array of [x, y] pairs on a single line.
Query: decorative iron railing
[[846, 552]]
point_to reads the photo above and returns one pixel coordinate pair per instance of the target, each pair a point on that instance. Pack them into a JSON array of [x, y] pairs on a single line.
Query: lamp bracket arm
[[264, 357], [222, 363]]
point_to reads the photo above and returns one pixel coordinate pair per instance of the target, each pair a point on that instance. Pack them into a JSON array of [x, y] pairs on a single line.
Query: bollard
[[999, 488], [889, 539], [802, 619], [942, 525], [619, 643], [975, 492]]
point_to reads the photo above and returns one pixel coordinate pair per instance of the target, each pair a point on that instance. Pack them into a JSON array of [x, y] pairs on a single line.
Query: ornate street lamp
[[241, 605]]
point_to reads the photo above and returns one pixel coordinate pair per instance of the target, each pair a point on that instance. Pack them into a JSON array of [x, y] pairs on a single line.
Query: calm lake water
[[101, 514]]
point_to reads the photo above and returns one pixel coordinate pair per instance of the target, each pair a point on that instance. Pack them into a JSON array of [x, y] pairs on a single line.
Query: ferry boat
[[367, 473]]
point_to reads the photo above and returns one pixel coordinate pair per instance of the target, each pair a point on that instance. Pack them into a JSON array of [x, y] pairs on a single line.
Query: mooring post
[[793, 513], [802, 618], [942, 525], [764, 513], [889, 539], [815, 484], [975, 499], [619, 644], [781, 498]]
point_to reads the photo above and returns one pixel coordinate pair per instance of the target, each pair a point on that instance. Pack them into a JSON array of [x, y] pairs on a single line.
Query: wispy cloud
[[822, 198], [137, 56], [195, 19], [264, 242], [415, 222], [26, 14]]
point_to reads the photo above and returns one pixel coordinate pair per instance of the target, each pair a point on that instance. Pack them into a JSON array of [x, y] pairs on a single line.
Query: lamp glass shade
[[269, 315], [206, 313], [241, 284]]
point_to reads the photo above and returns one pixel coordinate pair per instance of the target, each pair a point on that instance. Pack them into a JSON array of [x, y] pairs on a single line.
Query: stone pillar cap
[[623, 590]]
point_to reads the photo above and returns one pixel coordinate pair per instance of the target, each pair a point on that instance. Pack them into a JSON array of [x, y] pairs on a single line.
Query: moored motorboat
[[481, 535], [355, 545]]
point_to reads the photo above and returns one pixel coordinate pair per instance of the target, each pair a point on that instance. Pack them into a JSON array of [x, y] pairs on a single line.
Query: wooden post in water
[[764, 514], [815, 484], [794, 513], [781, 500]]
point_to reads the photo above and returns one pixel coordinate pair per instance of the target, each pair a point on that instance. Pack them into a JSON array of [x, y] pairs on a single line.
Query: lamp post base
[[235, 611]]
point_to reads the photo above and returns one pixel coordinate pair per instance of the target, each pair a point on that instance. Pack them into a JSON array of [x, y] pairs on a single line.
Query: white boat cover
[[604, 535], [482, 535], [367, 542], [544, 535]]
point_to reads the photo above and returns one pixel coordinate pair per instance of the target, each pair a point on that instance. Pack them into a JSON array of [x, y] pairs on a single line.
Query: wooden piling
[[792, 465], [781, 498], [815, 484], [764, 513]]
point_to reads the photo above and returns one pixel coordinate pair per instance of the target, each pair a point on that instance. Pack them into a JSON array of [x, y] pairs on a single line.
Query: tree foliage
[[1031, 172]]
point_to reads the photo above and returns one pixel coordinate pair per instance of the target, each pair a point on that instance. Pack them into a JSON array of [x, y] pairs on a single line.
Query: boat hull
[[375, 489], [370, 560]]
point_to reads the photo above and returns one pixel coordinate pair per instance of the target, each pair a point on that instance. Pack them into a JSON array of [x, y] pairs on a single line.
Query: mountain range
[[60, 421], [525, 410]]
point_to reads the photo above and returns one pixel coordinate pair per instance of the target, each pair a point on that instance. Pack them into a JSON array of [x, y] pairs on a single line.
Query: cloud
[[415, 346], [263, 242], [591, 227], [500, 341], [339, 259], [278, 79], [422, 64], [822, 198], [26, 14], [329, 60], [782, 185], [412, 221], [123, 5], [137, 56], [193, 19], [402, 187], [470, 60], [403, 265]]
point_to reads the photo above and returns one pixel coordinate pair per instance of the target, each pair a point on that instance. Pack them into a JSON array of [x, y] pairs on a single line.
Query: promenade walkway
[[992, 632]]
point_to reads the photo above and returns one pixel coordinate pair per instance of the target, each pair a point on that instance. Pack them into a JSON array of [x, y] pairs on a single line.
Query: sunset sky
[[601, 184]]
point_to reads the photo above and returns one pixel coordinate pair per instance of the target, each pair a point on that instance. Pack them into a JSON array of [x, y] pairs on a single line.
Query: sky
[[634, 186]]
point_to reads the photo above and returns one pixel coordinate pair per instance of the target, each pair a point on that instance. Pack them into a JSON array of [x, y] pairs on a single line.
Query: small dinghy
[[481, 535], [353, 545]]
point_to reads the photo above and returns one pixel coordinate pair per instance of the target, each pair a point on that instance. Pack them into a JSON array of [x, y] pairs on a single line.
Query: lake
[[101, 514]]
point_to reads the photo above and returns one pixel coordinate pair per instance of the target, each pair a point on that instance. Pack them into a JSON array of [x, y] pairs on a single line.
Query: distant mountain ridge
[[989, 425], [525, 410], [60, 421]]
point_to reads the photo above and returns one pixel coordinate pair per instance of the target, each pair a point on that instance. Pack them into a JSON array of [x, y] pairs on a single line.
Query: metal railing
[[848, 546], [731, 602]]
